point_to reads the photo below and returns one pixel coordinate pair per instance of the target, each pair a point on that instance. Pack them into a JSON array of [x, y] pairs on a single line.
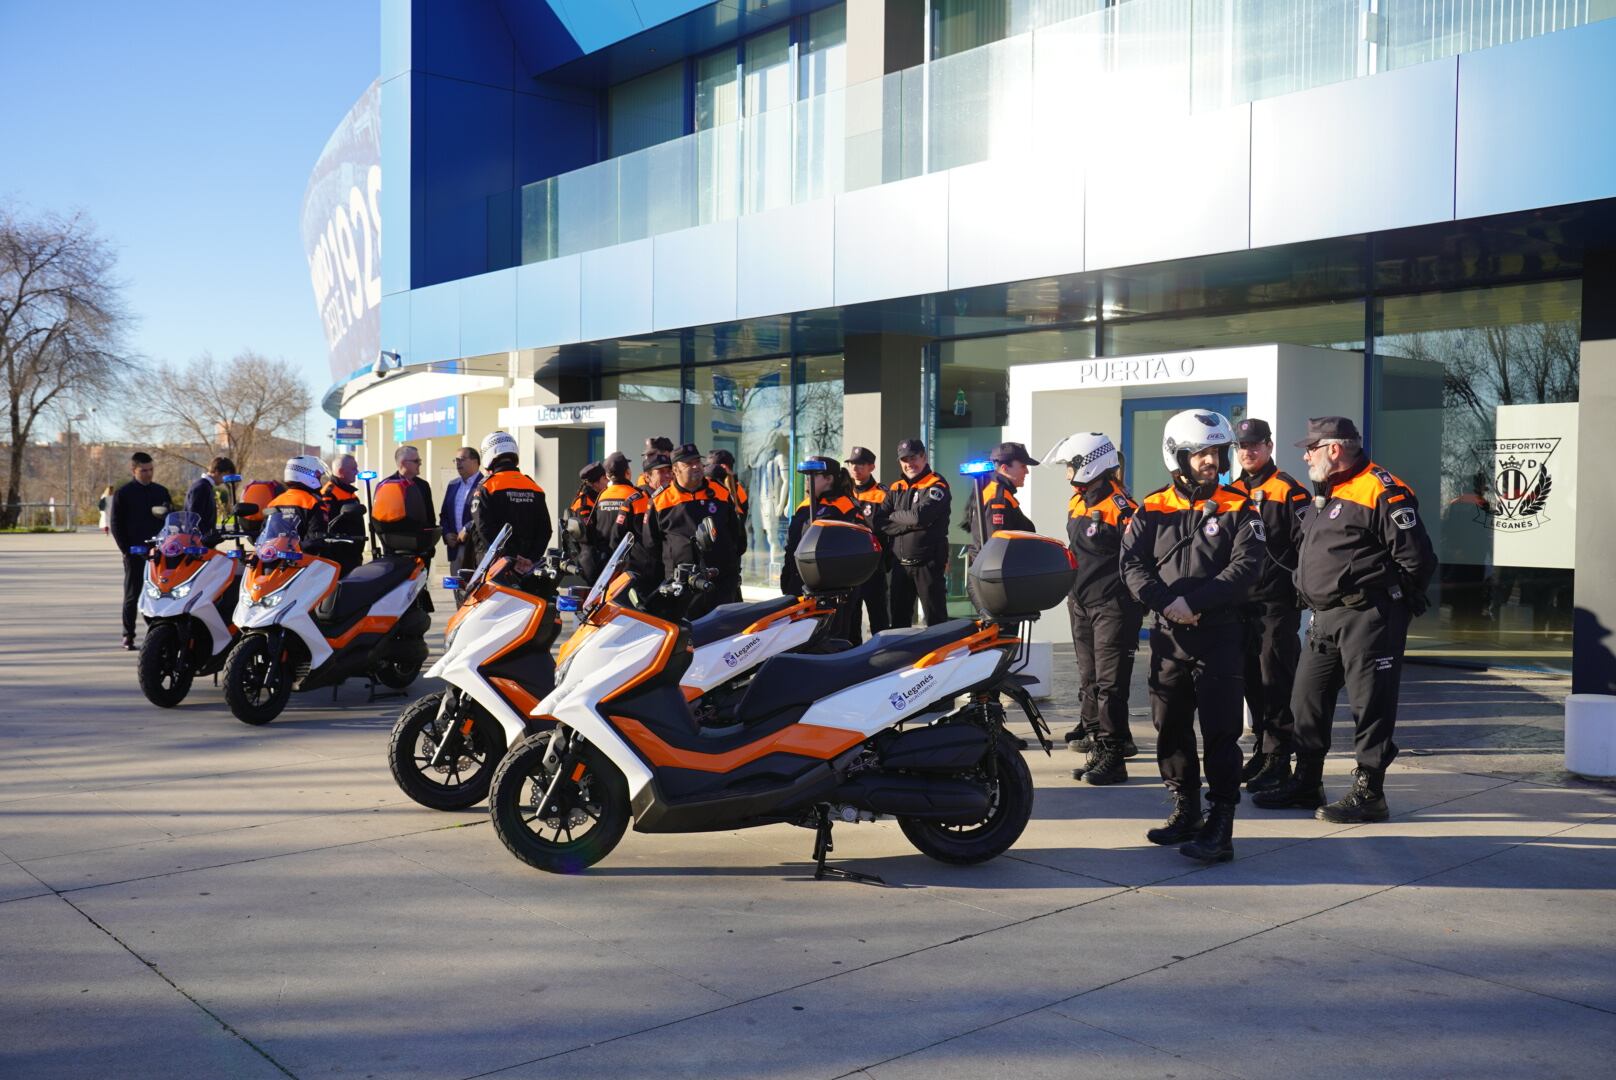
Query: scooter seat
[[727, 620], [797, 679], [364, 586]]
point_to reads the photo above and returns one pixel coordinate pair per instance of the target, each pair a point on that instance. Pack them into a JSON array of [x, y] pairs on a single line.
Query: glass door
[[1143, 422]]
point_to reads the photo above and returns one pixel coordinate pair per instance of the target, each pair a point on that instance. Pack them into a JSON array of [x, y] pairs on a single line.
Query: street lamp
[[72, 509]]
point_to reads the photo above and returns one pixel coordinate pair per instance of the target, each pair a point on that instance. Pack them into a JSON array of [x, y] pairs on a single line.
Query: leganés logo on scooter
[[901, 701], [735, 656]]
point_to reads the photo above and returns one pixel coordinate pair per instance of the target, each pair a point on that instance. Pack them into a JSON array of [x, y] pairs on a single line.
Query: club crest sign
[[1522, 486]]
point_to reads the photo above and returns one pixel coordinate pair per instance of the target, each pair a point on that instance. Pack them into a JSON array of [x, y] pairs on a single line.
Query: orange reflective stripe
[[509, 480], [804, 740], [293, 497], [875, 494]]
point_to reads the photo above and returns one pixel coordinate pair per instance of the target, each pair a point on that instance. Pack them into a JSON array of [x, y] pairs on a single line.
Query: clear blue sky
[[187, 130]]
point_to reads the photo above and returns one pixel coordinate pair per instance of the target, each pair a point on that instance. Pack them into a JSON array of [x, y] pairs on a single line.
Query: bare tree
[[235, 408], [62, 322]]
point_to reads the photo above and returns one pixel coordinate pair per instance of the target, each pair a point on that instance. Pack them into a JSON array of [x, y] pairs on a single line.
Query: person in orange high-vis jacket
[[508, 496]]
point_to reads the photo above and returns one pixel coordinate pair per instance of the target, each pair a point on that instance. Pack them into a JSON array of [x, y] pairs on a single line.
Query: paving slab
[[74, 1004], [17, 883], [1290, 1002]]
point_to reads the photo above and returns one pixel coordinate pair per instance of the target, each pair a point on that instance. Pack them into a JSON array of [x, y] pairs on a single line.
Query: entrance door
[[1144, 420]]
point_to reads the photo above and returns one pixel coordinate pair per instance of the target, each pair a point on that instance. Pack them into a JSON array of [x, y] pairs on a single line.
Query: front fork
[[454, 734]]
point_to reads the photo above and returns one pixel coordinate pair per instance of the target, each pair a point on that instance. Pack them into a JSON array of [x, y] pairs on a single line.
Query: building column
[[1593, 658], [881, 379]]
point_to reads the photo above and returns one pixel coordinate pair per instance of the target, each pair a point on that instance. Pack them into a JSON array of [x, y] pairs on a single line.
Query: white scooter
[[815, 738], [186, 600], [302, 629], [498, 668]]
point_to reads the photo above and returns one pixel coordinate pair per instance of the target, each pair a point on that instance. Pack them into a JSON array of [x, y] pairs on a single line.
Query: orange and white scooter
[[497, 668], [187, 600], [302, 629], [815, 739]]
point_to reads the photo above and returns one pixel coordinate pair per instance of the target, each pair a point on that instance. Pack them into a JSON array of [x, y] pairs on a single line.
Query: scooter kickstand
[[823, 847]]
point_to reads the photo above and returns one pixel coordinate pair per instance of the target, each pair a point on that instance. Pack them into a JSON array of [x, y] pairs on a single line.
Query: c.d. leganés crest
[[1520, 481]]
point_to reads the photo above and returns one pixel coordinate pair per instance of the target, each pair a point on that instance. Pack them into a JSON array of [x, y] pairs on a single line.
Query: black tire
[[1008, 813], [415, 741], [399, 674], [600, 795], [160, 678], [256, 683]]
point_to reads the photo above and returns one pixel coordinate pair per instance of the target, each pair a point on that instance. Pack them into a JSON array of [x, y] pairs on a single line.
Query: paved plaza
[[185, 896]]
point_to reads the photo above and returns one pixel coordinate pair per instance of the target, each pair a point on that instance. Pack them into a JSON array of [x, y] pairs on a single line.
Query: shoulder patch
[[936, 491], [1256, 527], [1385, 477], [1121, 501], [1405, 518]]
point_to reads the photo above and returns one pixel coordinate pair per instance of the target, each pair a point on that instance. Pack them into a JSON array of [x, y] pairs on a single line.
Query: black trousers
[[871, 599], [923, 582], [1196, 674], [1105, 639], [1363, 652], [134, 579], [1273, 646]]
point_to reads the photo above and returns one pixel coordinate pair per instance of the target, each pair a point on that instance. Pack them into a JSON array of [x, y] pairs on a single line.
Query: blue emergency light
[[233, 478], [137, 549], [368, 474], [976, 468], [451, 583], [813, 465], [565, 602]]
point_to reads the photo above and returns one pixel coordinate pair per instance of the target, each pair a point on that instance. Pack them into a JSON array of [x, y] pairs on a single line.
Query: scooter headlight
[[153, 591], [180, 592], [272, 600]]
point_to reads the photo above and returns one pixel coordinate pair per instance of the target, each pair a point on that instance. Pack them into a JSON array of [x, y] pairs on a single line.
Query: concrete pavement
[[184, 896]]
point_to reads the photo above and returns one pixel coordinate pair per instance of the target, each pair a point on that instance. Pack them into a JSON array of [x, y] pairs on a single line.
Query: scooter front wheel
[[161, 678], [256, 683], [460, 781], [1009, 809], [577, 826]]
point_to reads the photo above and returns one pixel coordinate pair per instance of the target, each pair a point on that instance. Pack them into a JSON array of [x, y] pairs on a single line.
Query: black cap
[[1320, 428], [687, 452], [595, 470], [1252, 430], [653, 461], [819, 464], [659, 442], [721, 457], [616, 463], [910, 447], [860, 456], [1008, 453]]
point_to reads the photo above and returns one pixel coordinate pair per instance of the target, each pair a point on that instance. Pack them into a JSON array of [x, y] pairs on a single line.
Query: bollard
[[1590, 736]]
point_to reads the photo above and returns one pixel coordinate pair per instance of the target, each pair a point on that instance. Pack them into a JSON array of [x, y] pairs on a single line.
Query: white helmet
[[1192, 431], [497, 444], [1088, 452], [305, 469]]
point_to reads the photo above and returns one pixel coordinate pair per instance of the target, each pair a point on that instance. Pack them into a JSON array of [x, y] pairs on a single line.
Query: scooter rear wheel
[[256, 684], [1009, 810], [161, 679], [459, 783], [398, 674], [581, 823]]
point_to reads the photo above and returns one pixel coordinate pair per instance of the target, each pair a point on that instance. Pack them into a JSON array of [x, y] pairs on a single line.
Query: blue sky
[[187, 130]]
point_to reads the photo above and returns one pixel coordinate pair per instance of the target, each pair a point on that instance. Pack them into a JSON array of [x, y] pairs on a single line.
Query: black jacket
[[1000, 510], [202, 499], [839, 508], [508, 497], [130, 519], [619, 511], [671, 525], [1368, 535], [1282, 503], [1095, 522], [916, 519], [1214, 570]]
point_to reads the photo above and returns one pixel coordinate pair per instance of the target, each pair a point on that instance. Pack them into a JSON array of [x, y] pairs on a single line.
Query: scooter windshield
[[598, 593], [182, 532], [279, 540]]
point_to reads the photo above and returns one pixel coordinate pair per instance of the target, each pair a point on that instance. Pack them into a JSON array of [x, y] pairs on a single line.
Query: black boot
[[1254, 764], [1365, 803], [1108, 768], [1129, 749], [1215, 840], [1303, 791], [1089, 762], [1182, 823], [1080, 741], [1276, 770]]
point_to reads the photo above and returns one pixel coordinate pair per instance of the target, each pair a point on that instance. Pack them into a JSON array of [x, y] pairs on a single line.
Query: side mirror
[[465, 575], [350, 508], [244, 510]]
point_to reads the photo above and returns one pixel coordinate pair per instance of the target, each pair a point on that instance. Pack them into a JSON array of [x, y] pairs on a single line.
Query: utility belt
[[1363, 600], [932, 561]]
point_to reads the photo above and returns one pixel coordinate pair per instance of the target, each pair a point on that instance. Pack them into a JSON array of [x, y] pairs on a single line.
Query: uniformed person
[[1363, 567], [338, 491], [871, 495], [305, 477], [1105, 616], [692, 521], [658, 456], [1191, 554], [1000, 507], [916, 514], [721, 470], [575, 518], [619, 512], [1273, 621], [508, 496], [829, 496]]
